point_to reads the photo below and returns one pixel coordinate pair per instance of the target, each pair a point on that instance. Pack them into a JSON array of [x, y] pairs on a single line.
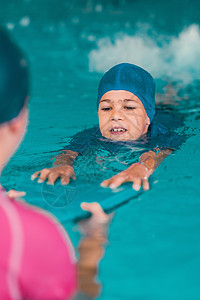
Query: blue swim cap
[[133, 79], [14, 82]]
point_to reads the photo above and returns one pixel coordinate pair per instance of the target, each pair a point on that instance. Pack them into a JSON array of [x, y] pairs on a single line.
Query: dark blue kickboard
[[64, 201]]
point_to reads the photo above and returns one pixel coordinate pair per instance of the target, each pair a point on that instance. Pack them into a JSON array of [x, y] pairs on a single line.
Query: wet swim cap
[[131, 78], [14, 83]]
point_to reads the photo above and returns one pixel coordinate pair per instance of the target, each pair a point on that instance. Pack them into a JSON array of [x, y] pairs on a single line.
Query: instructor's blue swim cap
[[131, 78], [14, 81]]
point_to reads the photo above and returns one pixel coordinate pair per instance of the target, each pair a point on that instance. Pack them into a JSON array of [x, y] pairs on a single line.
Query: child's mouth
[[117, 130]]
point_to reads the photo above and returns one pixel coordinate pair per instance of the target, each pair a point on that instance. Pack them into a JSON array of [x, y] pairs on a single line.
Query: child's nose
[[117, 115]]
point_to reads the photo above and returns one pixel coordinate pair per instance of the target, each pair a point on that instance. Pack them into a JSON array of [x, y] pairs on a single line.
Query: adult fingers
[[93, 207], [15, 194], [98, 214], [136, 184]]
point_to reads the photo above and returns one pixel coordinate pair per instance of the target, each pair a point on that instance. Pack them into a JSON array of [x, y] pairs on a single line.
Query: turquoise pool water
[[153, 249]]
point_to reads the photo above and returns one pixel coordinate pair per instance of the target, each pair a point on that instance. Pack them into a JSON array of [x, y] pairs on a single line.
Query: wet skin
[[122, 117]]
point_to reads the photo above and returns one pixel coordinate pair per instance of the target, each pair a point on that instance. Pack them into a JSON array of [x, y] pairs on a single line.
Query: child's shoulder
[[165, 121], [163, 129]]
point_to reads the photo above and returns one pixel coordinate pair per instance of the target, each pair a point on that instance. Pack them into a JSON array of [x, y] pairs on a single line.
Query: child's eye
[[129, 107], [106, 108]]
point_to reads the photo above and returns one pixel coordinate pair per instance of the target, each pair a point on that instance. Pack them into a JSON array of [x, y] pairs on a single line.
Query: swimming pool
[[153, 250]]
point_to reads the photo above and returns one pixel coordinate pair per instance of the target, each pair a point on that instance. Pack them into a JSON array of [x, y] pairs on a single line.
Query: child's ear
[[17, 124], [148, 121]]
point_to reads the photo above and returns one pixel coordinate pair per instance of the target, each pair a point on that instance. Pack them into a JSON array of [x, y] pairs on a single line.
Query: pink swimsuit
[[36, 256]]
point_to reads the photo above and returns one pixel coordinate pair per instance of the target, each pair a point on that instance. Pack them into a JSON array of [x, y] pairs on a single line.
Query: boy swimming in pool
[[126, 111]]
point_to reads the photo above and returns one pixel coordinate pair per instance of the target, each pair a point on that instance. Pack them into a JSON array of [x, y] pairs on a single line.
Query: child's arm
[[139, 173], [67, 157], [62, 167]]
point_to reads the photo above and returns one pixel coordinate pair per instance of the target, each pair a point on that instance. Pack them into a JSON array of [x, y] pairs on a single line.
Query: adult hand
[[52, 174], [136, 173], [96, 225], [97, 213], [15, 194]]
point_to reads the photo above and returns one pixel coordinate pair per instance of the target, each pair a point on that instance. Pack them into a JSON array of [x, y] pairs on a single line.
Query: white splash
[[175, 57]]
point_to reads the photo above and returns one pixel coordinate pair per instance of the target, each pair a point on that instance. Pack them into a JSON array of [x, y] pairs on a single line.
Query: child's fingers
[[105, 183], [117, 181], [136, 184], [72, 175], [145, 184], [52, 178], [65, 180], [43, 175], [35, 175]]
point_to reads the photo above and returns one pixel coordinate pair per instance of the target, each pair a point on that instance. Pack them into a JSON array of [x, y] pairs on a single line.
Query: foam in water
[[175, 57]]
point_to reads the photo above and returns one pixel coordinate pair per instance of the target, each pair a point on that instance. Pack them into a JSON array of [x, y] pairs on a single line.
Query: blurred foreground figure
[[36, 257]]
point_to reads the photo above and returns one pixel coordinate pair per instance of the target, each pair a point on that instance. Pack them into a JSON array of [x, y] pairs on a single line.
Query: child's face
[[122, 116]]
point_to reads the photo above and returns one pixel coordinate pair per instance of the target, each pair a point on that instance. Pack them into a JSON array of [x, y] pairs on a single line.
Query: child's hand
[[15, 194], [137, 173], [52, 174]]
